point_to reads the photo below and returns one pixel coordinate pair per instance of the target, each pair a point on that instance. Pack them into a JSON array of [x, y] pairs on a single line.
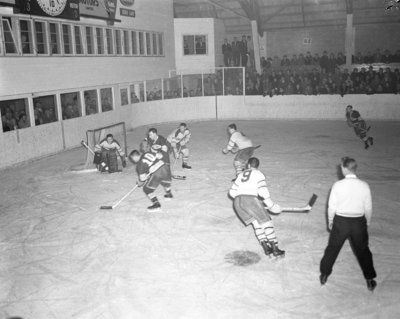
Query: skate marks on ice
[[242, 258]]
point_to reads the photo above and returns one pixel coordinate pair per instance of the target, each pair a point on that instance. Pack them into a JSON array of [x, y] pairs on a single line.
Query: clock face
[[52, 7]]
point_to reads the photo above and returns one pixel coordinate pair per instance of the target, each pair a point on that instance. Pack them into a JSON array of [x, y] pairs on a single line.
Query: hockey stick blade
[[181, 177], [106, 207], [304, 209]]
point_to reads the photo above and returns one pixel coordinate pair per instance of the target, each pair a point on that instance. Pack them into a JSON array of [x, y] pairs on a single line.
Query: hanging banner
[[100, 9], [64, 9]]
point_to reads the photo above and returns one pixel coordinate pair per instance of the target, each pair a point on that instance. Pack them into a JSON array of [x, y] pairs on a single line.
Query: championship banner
[[100, 9], [64, 9]]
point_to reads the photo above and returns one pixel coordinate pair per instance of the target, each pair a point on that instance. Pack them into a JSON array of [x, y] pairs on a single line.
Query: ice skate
[[156, 207], [276, 251], [371, 284], [185, 165], [267, 248], [168, 195]]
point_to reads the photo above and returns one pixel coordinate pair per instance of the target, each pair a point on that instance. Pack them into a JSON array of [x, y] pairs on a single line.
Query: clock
[[52, 7]]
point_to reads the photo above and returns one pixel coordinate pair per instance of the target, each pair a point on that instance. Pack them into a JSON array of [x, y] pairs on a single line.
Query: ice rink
[[62, 257]]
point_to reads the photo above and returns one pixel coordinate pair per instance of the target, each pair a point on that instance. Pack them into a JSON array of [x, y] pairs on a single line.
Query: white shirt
[[251, 182], [238, 139], [350, 197]]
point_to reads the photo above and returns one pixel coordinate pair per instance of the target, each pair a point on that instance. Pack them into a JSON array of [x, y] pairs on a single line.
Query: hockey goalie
[[106, 155]]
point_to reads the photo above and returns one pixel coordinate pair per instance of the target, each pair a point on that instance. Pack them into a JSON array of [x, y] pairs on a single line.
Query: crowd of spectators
[[326, 74]]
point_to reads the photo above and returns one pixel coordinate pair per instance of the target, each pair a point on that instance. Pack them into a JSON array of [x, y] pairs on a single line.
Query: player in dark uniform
[[152, 171], [354, 119]]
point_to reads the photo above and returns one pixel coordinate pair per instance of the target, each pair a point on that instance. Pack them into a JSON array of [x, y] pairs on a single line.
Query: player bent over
[[179, 139], [248, 188], [354, 119], [106, 154], [152, 172], [241, 145]]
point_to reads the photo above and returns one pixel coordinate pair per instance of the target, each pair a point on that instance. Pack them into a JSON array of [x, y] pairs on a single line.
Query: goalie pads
[[97, 158], [110, 159]]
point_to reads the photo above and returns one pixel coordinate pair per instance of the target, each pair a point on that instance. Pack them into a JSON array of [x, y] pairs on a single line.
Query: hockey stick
[[87, 146], [119, 202], [181, 177], [304, 209]]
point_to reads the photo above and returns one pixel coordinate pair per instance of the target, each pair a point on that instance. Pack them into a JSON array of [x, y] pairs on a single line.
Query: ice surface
[[63, 257]]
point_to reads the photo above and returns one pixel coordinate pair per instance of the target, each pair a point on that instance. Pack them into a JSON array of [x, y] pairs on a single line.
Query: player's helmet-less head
[[134, 156], [253, 162], [144, 146], [354, 116]]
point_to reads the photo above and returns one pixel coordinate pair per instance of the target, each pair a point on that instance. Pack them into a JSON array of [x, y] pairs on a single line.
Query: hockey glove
[[123, 161], [225, 151], [140, 183]]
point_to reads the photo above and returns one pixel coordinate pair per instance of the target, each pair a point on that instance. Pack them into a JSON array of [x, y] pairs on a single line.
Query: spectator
[[227, 52], [243, 51], [23, 121], [236, 52]]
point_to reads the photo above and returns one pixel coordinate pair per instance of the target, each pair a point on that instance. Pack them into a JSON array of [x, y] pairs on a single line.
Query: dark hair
[[233, 126], [253, 162], [183, 124], [154, 130], [109, 135], [349, 163], [132, 154]]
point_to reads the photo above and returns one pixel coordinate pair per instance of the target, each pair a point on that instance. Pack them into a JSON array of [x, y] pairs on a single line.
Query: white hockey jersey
[[239, 141]]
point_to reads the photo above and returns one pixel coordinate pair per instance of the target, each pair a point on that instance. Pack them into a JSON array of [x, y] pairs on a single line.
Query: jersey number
[[149, 159], [246, 176]]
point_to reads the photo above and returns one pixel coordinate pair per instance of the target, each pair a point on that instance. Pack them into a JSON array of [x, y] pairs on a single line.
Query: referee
[[349, 214]]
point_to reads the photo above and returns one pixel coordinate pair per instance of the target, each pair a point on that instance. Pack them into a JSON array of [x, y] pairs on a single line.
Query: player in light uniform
[[354, 119], [152, 172], [248, 188], [179, 139], [241, 145], [107, 151]]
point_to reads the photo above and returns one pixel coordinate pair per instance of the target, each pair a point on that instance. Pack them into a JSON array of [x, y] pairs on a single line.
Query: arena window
[[45, 109], [41, 37], [67, 39], [89, 40], [71, 105], [134, 43], [100, 41], [25, 27], [160, 44], [54, 38], [154, 38], [78, 40], [106, 99], [127, 48], [9, 39], [91, 102], [109, 39], [118, 46], [14, 114], [124, 96], [141, 43]]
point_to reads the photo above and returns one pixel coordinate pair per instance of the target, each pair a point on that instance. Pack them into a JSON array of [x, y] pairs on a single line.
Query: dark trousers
[[356, 230]]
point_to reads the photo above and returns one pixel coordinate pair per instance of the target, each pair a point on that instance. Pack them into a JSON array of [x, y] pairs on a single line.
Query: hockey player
[[109, 148], [241, 145], [355, 120], [159, 143], [179, 139], [152, 172], [251, 201]]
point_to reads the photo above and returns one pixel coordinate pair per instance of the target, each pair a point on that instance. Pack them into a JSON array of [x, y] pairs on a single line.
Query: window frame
[[45, 37], [71, 46], [30, 37], [58, 39], [81, 40]]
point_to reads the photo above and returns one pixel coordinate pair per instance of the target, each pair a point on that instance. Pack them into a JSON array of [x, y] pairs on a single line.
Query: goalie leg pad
[[112, 161], [97, 158]]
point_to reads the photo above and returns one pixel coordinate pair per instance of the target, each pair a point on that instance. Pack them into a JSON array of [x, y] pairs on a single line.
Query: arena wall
[[35, 142]]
